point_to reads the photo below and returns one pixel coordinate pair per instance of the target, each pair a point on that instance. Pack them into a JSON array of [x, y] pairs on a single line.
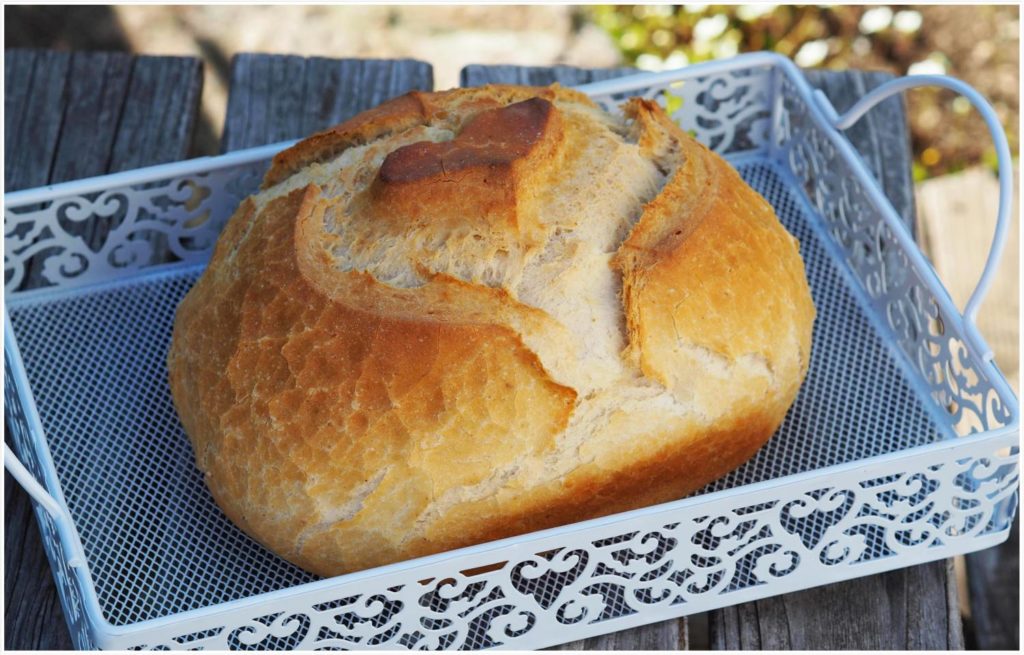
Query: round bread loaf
[[467, 315]]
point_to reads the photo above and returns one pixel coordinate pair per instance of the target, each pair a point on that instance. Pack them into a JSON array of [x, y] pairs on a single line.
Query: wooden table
[[70, 116]]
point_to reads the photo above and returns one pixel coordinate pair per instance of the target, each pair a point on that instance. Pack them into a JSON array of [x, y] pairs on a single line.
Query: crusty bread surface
[[471, 314]]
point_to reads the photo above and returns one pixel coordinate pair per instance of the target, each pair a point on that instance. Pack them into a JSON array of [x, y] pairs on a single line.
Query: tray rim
[[67, 532]]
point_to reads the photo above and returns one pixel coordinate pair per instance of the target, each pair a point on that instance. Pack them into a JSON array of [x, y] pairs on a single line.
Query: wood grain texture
[[478, 75], [666, 635], [35, 93], [279, 97], [160, 112], [69, 116], [97, 84], [908, 609], [33, 618], [993, 578]]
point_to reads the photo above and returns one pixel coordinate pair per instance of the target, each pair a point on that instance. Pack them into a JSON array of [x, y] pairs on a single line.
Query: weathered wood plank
[[666, 635], [337, 89], [908, 609], [34, 107], [17, 75], [71, 116], [157, 124], [96, 88], [277, 97], [272, 104], [993, 577], [39, 101], [160, 112], [477, 75]]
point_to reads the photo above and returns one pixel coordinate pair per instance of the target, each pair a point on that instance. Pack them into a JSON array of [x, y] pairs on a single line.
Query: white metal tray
[[901, 448]]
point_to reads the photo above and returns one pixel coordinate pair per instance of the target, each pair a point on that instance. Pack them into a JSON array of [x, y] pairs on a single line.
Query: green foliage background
[[978, 44]]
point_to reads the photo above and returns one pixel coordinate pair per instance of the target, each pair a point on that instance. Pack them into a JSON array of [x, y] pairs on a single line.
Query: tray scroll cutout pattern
[[729, 113], [176, 219], [958, 385], [810, 531]]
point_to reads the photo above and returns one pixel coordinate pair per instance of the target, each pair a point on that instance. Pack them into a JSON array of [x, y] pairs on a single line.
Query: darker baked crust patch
[[479, 175], [493, 139]]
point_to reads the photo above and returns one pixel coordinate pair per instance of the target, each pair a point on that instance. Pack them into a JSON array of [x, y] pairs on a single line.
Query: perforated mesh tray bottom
[[157, 544]]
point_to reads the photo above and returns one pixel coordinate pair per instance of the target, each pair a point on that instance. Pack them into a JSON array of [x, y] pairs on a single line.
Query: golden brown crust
[[350, 410], [298, 356], [711, 274], [677, 467]]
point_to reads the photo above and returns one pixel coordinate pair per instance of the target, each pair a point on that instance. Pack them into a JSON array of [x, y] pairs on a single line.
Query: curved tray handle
[[893, 87], [31, 485]]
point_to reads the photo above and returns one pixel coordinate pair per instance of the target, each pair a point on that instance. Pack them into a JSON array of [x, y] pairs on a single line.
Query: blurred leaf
[[673, 102]]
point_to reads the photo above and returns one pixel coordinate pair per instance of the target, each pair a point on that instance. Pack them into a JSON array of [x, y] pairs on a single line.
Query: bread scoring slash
[[471, 314]]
